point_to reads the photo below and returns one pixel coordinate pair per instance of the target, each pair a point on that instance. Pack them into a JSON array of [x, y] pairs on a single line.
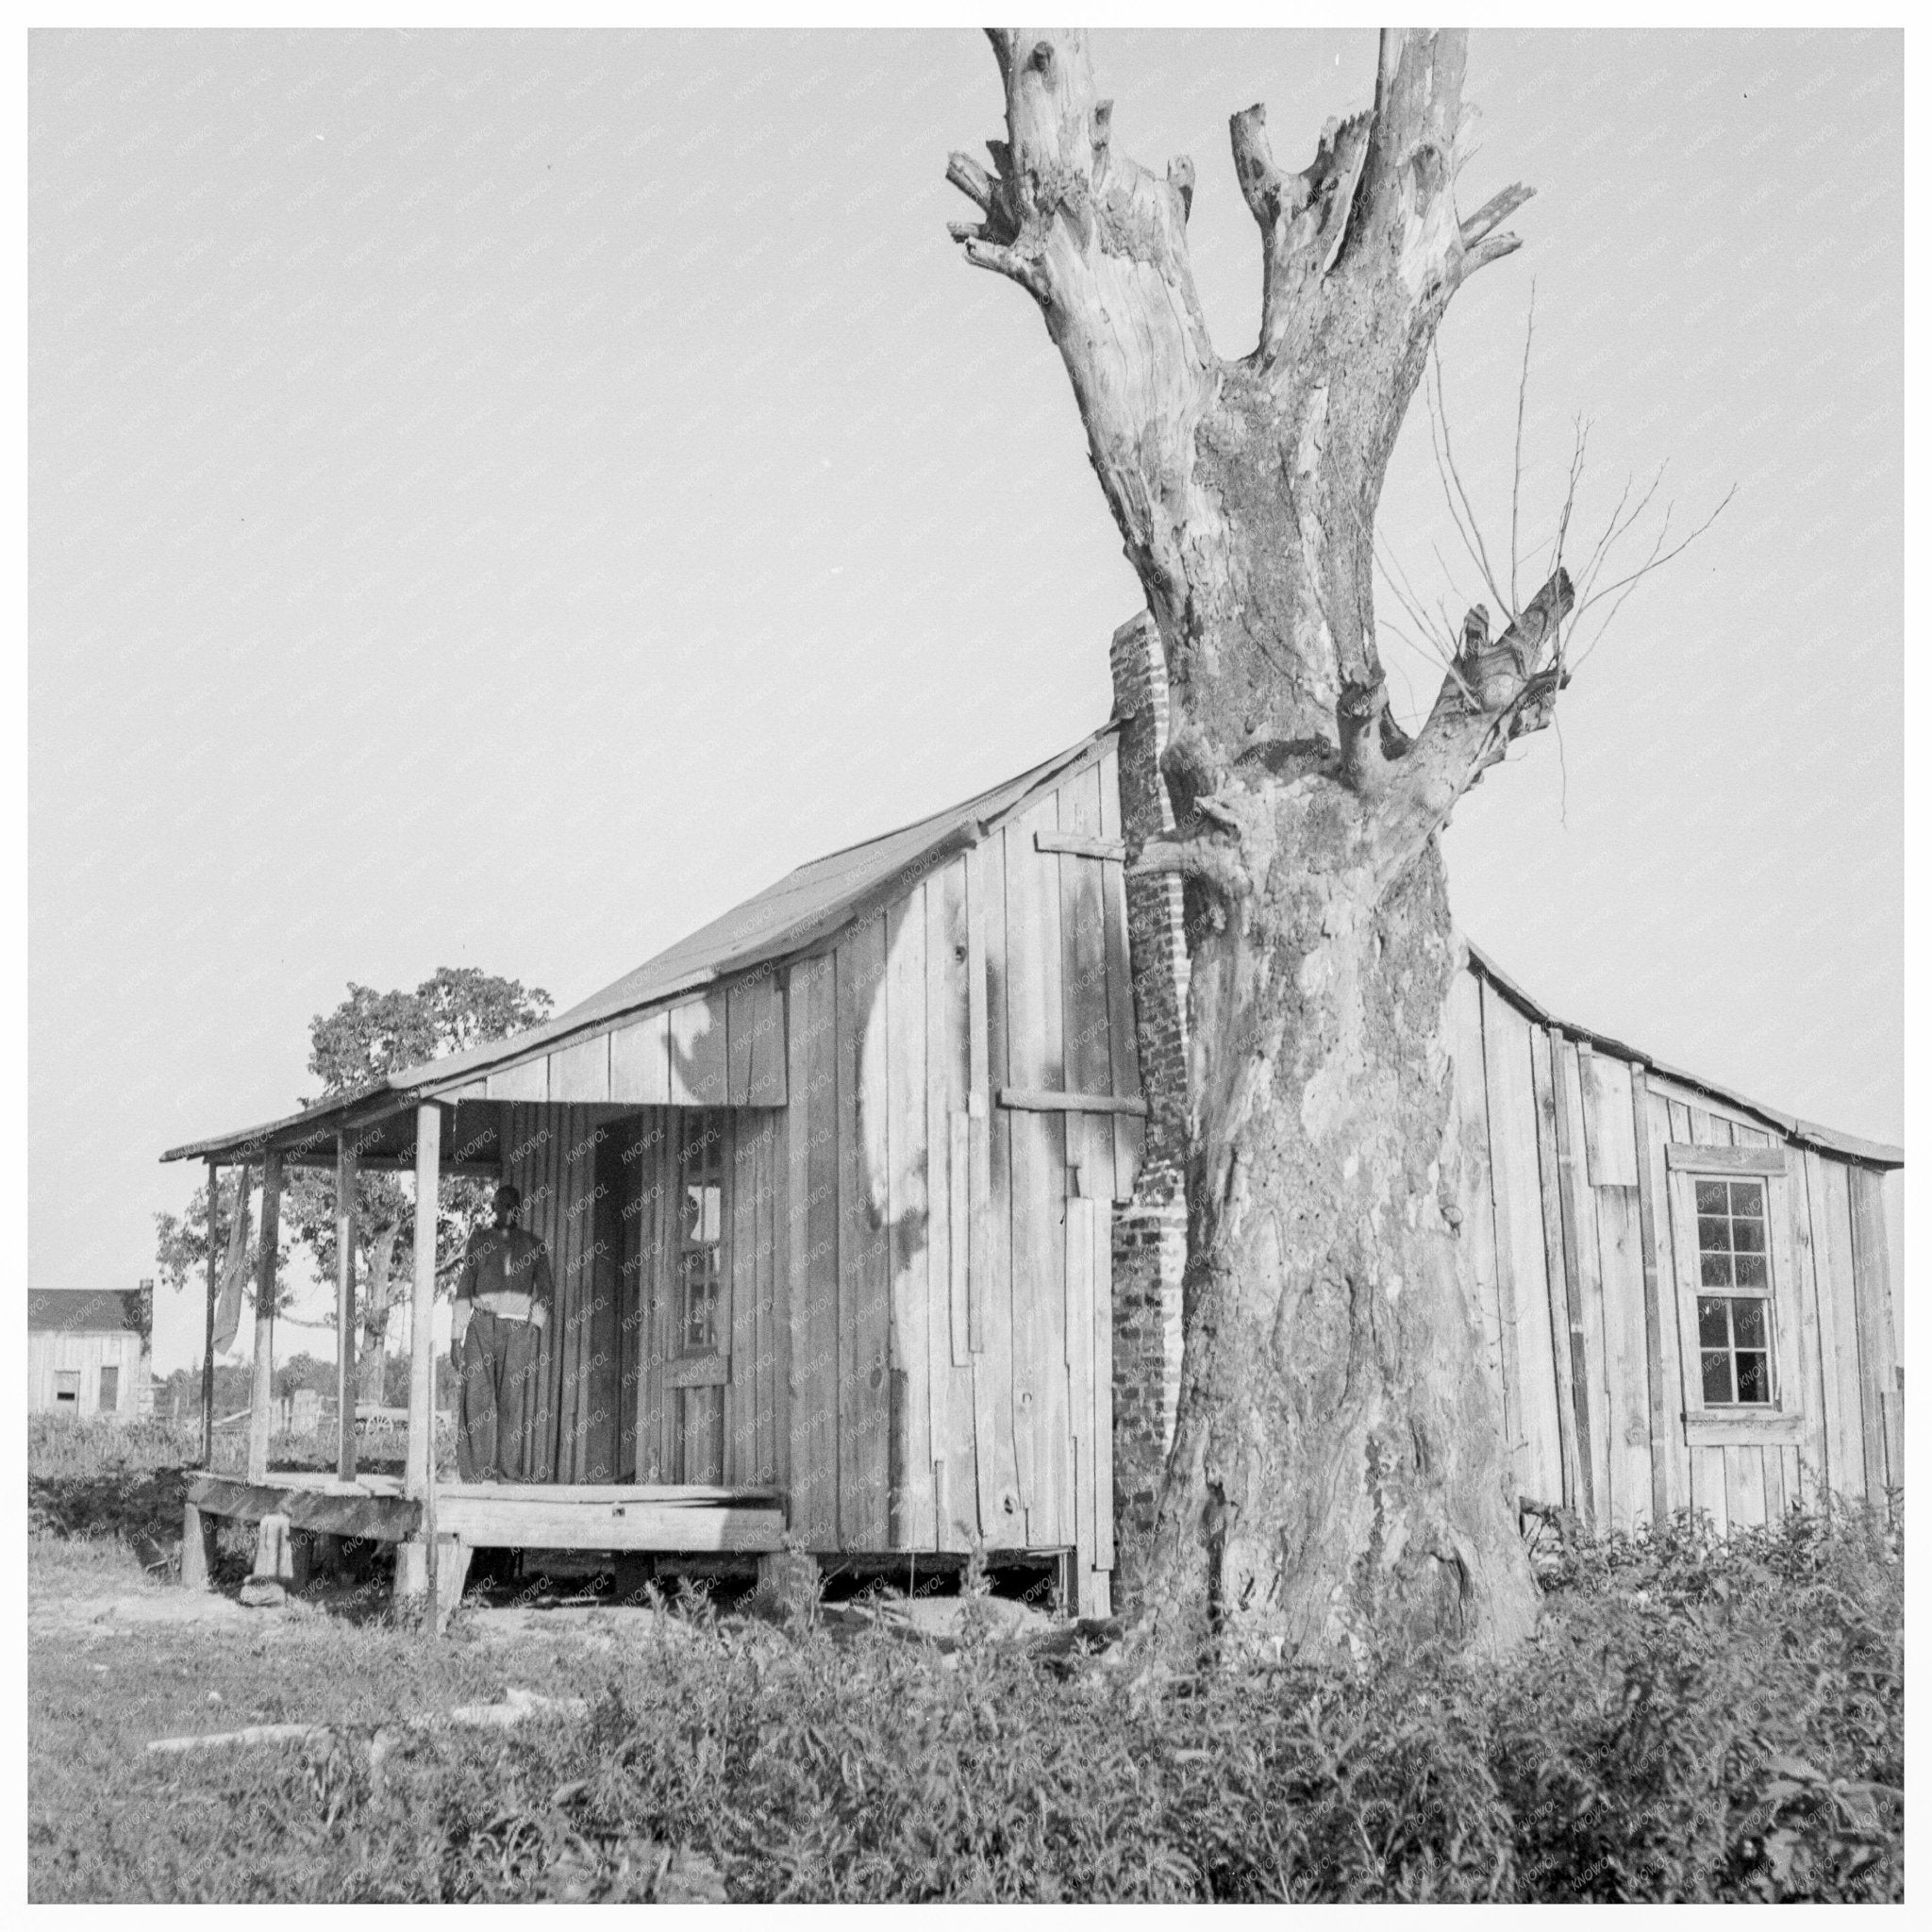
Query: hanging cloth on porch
[[234, 1269]]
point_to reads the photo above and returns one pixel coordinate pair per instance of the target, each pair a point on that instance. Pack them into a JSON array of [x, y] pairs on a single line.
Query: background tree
[[369, 1034], [1338, 1467]]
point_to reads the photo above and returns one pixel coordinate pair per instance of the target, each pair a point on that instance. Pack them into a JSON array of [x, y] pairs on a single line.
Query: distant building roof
[[90, 1310]]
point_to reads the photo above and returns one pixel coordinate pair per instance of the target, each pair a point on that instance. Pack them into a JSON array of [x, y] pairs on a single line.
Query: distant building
[[88, 1350]]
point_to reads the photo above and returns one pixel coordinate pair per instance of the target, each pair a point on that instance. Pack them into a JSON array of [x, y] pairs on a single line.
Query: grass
[[1696, 1720]]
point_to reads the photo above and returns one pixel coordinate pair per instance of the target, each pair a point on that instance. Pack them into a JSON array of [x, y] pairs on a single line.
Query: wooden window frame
[[689, 1366], [68, 1396], [1706, 1425]]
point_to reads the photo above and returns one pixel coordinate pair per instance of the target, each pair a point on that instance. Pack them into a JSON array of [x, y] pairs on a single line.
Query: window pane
[[1717, 1375], [1751, 1271], [1754, 1376], [1748, 1237], [1747, 1197], [1747, 1322], [1714, 1236], [1716, 1271], [1712, 1197], [1713, 1331]]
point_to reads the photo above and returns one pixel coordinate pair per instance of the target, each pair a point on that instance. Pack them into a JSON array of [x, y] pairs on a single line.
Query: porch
[[309, 1515]]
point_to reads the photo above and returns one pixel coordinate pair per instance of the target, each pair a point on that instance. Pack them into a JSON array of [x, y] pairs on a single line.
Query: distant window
[[700, 1231], [67, 1388], [111, 1390], [1734, 1315]]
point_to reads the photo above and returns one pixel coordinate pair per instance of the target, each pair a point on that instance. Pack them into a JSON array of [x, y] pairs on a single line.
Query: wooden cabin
[[1687, 1298], [826, 1190], [88, 1351], [865, 1235]]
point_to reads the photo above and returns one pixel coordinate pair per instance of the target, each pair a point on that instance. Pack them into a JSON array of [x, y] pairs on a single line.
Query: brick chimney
[[1150, 1233]]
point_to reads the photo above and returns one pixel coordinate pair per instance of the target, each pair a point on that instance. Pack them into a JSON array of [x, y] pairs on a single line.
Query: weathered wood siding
[[1581, 1235], [940, 1262], [575, 1166], [51, 1353]]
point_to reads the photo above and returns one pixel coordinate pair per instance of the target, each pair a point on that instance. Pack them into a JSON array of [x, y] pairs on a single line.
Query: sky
[[499, 499]]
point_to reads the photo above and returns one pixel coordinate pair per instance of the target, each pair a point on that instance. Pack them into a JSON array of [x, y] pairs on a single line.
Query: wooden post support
[[345, 1308], [452, 1572], [412, 1569], [214, 1280], [197, 1548], [273, 1575], [421, 1464], [262, 1388]]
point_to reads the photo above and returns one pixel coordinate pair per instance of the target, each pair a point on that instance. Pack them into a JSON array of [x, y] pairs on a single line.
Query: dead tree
[[1338, 1467]]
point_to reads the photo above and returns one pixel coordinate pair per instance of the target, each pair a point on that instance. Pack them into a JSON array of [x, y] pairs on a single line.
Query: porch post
[[345, 1306], [421, 1444], [207, 1362], [260, 1399]]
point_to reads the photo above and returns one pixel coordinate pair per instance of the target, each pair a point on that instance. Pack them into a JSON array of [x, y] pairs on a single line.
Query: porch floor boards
[[651, 1517]]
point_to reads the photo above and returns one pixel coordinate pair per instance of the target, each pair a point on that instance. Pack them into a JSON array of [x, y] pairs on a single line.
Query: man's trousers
[[496, 1404]]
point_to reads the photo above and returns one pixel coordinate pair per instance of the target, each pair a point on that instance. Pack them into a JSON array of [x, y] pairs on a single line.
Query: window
[[701, 1231], [1733, 1326], [1730, 1216], [111, 1390], [67, 1388]]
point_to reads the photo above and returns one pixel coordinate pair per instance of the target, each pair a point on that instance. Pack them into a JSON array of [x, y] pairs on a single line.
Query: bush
[[1697, 1720]]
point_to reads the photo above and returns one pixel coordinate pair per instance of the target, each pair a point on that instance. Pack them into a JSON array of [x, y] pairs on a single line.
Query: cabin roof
[[1809, 1132], [85, 1311], [797, 914], [804, 912]]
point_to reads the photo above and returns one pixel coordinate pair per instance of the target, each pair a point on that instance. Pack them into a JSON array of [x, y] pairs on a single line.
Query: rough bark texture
[[1338, 1467]]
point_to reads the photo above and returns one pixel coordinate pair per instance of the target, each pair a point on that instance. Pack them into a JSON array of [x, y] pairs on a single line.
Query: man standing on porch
[[503, 1302]]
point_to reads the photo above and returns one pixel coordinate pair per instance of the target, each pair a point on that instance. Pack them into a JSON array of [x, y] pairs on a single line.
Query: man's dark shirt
[[506, 1261]]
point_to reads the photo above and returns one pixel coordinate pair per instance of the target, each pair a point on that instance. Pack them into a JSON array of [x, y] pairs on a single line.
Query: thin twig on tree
[[1516, 474]]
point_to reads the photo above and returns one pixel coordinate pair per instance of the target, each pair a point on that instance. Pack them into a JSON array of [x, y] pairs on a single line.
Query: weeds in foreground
[[1697, 1719]]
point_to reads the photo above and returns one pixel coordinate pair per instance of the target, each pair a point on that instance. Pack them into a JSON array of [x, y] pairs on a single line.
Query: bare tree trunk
[[1338, 1467]]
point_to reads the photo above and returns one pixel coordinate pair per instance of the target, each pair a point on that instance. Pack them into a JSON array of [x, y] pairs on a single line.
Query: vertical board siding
[[1002, 1511], [581, 1071], [1584, 1291], [1080, 1217], [1813, 1456], [1087, 1044], [910, 1511], [813, 1315], [741, 1420], [1671, 1470], [864, 1317], [1130, 1133], [1831, 1251], [1038, 1159], [1878, 1349], [1101, 1343], [699, 1075], [1564, 1342], [1478, 1231], [1610, 1138], [640, 1062], [1626, 1355], [1521, 1249], [954, 1474]]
